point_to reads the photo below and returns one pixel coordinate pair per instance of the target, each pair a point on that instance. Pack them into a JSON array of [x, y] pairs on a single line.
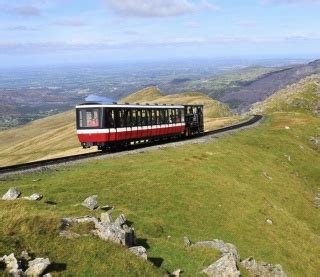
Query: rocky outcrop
[[105, 218], [224, 248], [262, 269], [111, 231], [12, 265], [91, 202], [116, 231], [225, 266], [140, 251], [24, 265], [37, 266], [11, 194]]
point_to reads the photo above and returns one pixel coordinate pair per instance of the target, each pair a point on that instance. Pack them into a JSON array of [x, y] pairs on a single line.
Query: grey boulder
[[91, 202], [226, 266], [37, 266], [262, 269], [119, 234], [12, 265], [33, 197], [140, 251], [11, 194]]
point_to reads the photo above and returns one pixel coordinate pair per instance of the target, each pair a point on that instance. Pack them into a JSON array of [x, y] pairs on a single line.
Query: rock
[[11, 194], [106, 208], [186, 242], [69, 234], [262, 269], [315, 140], [112, 231], [224, 248], [25, 256], [176, 273], [67, 221], [317, 201], [37, 266], [267, 175], [47, 275], [139, 251], [269, 221], [12, 265], [121, 219], [91, 202], [33, 197], [225, 266], [105, 218]]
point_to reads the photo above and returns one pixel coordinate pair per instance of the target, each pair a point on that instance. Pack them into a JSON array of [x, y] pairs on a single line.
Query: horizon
[[47, 32]]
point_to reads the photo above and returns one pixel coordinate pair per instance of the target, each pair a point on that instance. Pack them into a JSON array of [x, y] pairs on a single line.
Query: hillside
[[221, 84], [303, 96], [229, 188], [257, 91], [55, 136]]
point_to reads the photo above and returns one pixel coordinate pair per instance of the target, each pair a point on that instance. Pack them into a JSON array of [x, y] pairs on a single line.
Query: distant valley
[[36, 93]]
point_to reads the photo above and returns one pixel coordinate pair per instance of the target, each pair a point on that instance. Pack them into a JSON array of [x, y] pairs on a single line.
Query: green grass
[[303, 96], [206, 191]]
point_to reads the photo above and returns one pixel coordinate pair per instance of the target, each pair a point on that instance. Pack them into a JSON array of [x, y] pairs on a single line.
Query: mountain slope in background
[[55, 136], [221, 84], [264, 87], [303, 96]]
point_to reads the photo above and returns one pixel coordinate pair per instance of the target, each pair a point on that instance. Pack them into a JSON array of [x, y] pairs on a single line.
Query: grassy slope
[[55, 136], [207, 191], [303, 96]]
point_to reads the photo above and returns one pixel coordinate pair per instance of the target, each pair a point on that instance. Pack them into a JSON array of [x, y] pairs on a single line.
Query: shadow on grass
[[143, 242], [56, 267], [156, 261], [49, 202]]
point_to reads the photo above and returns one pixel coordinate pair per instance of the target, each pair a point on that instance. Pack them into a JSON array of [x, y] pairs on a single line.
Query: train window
[[172, 116], [138, 117], [154, 117], [109, 118], [127, 118], [134, 117], [89, 118], [143, 117], [149, 117], [158, 116]]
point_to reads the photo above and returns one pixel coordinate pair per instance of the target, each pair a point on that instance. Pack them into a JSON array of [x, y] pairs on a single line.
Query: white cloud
[[157, 8]]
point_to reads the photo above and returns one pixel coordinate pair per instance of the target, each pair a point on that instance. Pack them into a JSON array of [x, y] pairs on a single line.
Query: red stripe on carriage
[[128, 135]]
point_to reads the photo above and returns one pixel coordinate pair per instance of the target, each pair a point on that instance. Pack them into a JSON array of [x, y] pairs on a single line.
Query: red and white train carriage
[[111, 125]]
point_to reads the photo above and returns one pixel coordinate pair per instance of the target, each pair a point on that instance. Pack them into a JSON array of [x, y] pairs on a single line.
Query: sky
[[71, 31]]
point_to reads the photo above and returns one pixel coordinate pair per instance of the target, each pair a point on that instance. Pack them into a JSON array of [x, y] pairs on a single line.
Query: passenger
[[93, 121]]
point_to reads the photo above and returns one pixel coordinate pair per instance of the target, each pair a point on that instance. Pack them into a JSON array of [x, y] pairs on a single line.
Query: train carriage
[[111, 125]]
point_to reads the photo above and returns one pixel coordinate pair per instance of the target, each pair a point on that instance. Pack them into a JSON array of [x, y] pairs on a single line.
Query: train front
[[90, 125]]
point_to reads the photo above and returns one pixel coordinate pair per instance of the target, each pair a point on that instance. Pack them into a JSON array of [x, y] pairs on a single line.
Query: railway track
[[56, 161]]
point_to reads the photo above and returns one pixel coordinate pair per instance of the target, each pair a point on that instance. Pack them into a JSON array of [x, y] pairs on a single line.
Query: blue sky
[[71, 31]]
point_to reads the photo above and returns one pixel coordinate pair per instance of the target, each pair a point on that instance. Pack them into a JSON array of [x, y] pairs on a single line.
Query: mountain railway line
[[56, 161]]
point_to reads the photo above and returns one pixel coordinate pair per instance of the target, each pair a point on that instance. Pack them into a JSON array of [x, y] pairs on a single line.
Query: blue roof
[[99, 99]]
